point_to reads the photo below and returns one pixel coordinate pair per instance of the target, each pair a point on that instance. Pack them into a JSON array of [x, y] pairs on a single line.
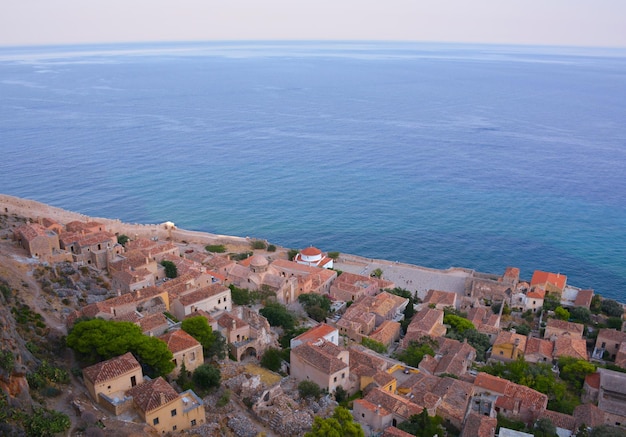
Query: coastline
[[409, 276]]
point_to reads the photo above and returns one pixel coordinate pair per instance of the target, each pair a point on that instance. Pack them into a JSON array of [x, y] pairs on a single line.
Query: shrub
[[374, 345], [272, 359], [170, 269], [271, 248], [309, 389], [122, 239], [612, 308], [215, 248], [224, 399], [206, 377], [333, 255], [258, 244]]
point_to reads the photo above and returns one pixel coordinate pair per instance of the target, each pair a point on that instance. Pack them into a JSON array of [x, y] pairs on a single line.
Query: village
[[479, 354]]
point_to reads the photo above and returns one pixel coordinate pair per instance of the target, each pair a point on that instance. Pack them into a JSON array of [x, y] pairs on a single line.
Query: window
[[603, 345], [343, 376], [219, 301], [193, 356], [193, 422], [155, 421], [501, 352], [174, 428], [335, 379], [133, 381], [174, 412]]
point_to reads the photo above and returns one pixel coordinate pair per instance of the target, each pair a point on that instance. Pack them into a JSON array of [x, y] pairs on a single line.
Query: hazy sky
[[550, 22]]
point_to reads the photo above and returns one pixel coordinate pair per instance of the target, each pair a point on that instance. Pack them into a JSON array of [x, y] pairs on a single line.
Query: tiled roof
[[439, 297], [111, 369], [508, 337], [593, 380], [33, 230], [478, 425], [555, 279], [392, 431], [152, 321], [202, 294], [152, 394], [226, 321], [536, 293], [394, 403], [574, 328], [319, 331], [491, 383], [583, 298], [386, 333], [560, 420], [539, 346], [367, 405], [359, 356], [588, 414], [179, 340], [322, 355], [611, 335], [453, 356], [96, 238], [425, 320], [571, 347], [511, 273], [311, 251]]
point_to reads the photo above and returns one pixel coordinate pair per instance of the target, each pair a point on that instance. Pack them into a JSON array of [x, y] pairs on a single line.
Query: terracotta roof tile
[[202, 294], [322, 355], [571, 347], [583, 298], [588, 414], [319, 331], [396, 404], [438, 297], [179, 340], [111, 369], [477, 425], [152, 394], [560, 420], [392, 431], [556, 279]]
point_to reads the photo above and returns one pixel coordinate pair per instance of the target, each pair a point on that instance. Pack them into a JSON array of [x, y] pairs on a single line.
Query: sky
[[535, 22]]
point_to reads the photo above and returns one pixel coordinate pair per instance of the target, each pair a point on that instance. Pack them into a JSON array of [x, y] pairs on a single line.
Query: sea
[[439, 155]]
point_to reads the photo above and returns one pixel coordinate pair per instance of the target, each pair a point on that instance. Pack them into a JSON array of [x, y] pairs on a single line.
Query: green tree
[[607, 431], [580, 315], [291, 254], [422, 425], [271, 248], [317, 306], [374, 345], [340, 424], [218, 348], [596, 304], [582, 431], [612, 308], [278, 315], [170, 269], [333, 255], [614, 323], [199, 328], [377, 273], [183, 380], [240, 296], [272, 359], [122, 239], [96, 340], [575, 371], [561, 313], [457, 323], [544, 428], [551, 301], [416, 350], [207, 377], [309, 389]]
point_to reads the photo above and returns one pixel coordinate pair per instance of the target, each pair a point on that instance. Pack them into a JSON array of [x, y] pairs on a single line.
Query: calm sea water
[[437, 155]]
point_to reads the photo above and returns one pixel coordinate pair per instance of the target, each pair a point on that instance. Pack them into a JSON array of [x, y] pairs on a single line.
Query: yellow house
[[185, 349], [113, 377], [165, 410], [508, 346]]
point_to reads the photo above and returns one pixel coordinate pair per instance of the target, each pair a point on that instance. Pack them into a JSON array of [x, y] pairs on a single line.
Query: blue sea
[[432, 154]]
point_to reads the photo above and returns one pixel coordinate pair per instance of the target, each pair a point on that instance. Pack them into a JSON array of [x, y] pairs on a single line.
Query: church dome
[[258, 262]]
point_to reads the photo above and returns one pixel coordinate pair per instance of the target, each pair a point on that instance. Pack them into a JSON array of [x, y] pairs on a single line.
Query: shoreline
[[409, 276]]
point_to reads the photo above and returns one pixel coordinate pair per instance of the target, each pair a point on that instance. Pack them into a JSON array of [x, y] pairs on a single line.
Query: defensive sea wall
[[35, 211]]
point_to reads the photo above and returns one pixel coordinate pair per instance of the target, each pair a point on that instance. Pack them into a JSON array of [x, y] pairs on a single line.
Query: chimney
[[234, 324], [162, 396]]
